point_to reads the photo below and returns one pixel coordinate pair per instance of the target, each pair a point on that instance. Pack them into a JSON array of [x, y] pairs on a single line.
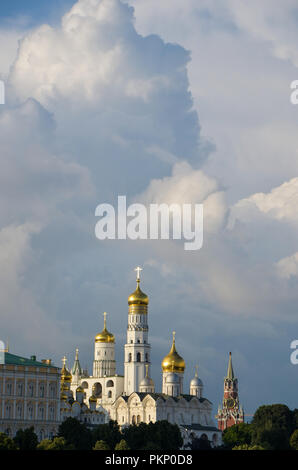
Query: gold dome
[[138, 297], [79, 389], [105, 336], [172, 362], [93, 399], [63, 397], [64, 387], [65, 374]]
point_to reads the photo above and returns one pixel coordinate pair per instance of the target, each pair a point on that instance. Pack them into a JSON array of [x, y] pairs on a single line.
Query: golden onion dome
[[80, 389], [138, 297], [93, 399], [65, 387], [105, 336], [172, 362], [63, 397], [65, 374]]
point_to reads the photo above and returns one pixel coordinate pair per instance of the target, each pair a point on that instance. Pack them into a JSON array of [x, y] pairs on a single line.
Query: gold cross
[[138, 269]]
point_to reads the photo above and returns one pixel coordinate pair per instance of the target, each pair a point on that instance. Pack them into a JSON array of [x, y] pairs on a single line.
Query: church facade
[[132, 398]]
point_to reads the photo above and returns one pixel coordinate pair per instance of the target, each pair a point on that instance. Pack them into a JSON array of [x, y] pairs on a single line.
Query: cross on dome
[[138, 270]]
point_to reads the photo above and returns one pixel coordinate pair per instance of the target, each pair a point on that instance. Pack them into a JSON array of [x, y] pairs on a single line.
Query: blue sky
[[162, 104], [35, 11]]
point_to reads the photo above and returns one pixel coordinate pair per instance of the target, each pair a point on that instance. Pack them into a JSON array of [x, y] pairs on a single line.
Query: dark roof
[[198, 427], [22, 361], [165, 397]]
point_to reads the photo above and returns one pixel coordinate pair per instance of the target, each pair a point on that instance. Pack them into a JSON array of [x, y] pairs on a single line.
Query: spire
[[76, 369], [196, 373], [230, 374]]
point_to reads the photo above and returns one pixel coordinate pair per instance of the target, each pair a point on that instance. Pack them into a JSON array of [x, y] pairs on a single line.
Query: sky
[[164, 102]]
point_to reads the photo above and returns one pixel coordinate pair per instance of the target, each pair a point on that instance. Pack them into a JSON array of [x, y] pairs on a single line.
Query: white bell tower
[[137, 348]]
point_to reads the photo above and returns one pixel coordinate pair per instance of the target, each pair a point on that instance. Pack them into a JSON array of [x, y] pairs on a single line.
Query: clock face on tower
[[230, 402]]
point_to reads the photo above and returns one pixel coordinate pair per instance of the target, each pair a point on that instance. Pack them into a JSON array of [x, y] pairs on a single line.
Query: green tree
[[248, 447], [76, 434], [6, 443], [272, 426], [160, 435], [101, 445], [200, 444], [26, 439], [58, 443], [122, 445], [110, 433], [237, 435], [294, 440]]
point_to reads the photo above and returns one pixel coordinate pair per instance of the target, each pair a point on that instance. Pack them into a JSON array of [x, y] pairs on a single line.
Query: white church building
[[132, 398]]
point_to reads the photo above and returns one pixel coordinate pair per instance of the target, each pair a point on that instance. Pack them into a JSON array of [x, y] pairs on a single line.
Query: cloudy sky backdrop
[[163, 102]]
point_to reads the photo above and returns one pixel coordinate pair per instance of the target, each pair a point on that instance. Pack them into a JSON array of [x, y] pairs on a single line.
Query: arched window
[[41, 390], [138, 357], [146, 357], [19, 411], [31, 389], [129, 357], [52, 390], [110, 383], [30, 411], [97, 390], [138, 341], [51, 413], [84, 384], [20, 389], [8, 411], [110, 394], [138, 419], [133, 420], [41, 413], [9, 388]]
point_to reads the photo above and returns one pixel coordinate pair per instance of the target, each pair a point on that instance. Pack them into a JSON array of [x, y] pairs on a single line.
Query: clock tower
[[231, 412]]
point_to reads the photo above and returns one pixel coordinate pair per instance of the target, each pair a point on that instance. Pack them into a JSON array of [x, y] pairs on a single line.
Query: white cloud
[[288, 267], [189, 186], [280, 204]]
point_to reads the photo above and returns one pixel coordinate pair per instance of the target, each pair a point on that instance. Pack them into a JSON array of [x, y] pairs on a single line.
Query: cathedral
[[132, 398]]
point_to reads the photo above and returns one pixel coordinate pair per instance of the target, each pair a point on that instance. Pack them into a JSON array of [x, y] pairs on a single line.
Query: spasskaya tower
[[231, 412]]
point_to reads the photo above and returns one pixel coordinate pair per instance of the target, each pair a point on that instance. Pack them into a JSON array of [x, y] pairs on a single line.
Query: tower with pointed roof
[[137, 348], [230, 412], [76, 370]]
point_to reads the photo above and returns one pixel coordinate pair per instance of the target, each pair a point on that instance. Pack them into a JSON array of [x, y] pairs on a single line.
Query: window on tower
[[138, 357]]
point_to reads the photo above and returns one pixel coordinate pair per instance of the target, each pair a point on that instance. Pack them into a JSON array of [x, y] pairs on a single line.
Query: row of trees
[[274, 427], [73, 435]]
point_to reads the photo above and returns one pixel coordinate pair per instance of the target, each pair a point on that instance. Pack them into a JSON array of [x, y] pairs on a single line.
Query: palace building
[[132, 398], [29, 396]]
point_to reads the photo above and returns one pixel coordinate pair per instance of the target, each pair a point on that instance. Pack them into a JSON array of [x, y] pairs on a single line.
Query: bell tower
[[136, 349], [231, 412]]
